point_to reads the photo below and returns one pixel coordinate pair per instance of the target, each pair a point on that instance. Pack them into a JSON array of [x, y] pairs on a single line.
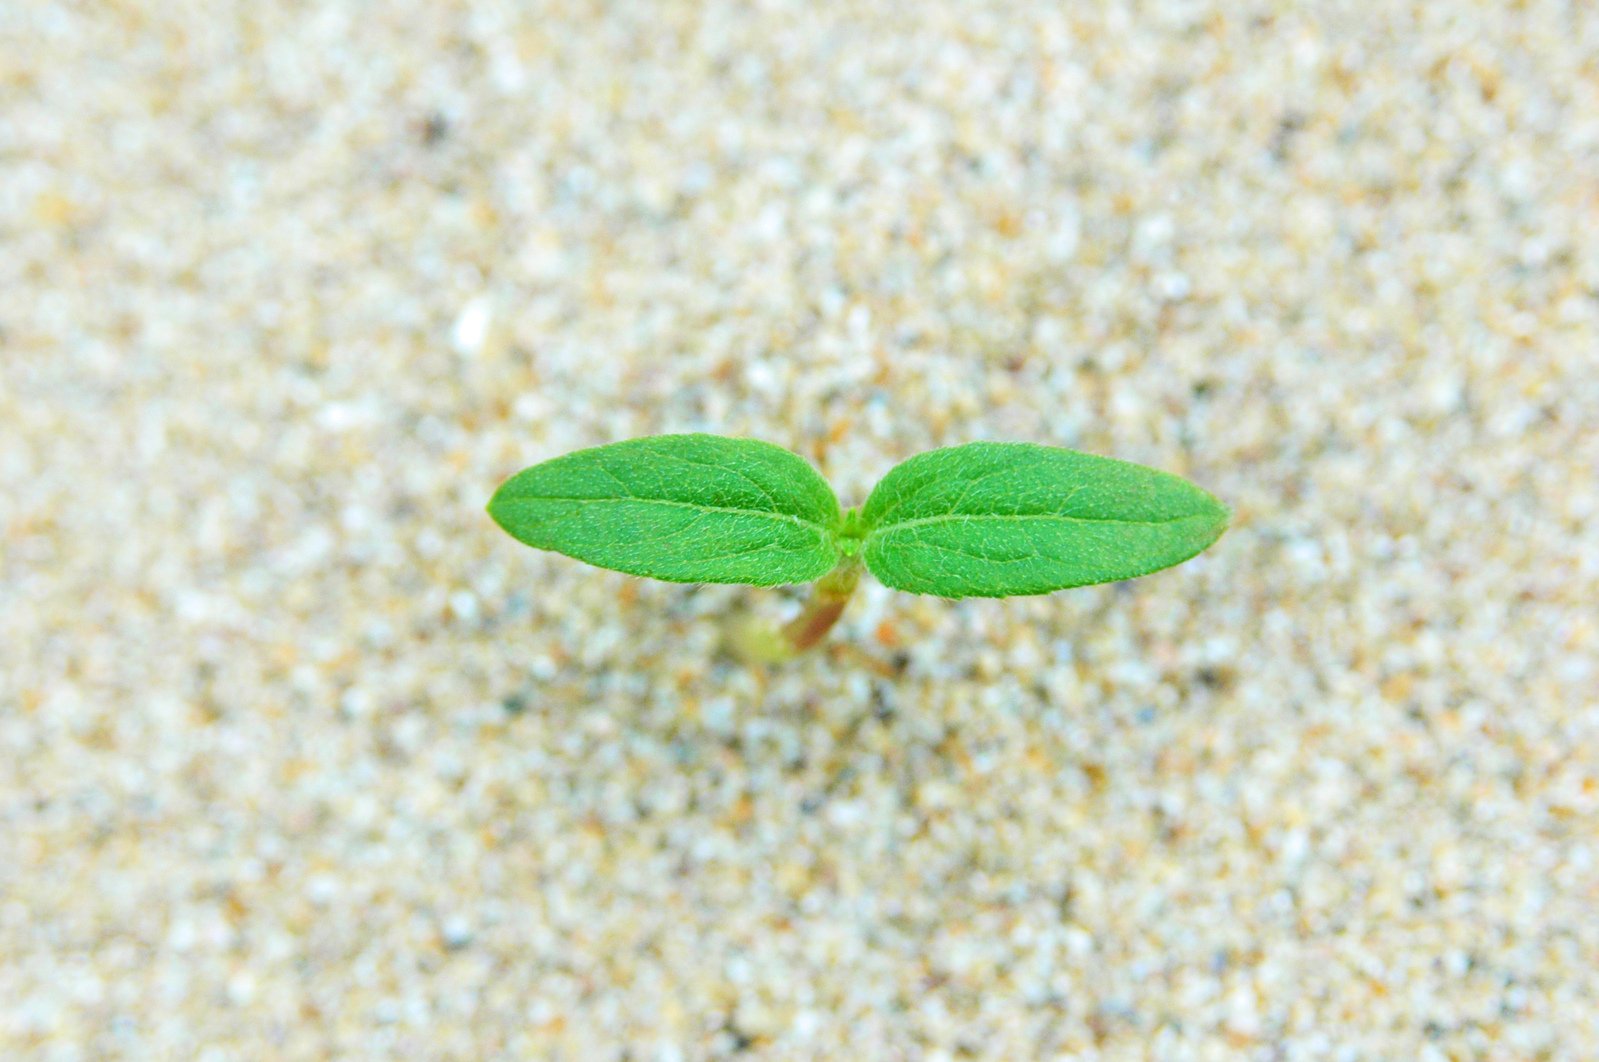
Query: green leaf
[[1001, 519], [687, 508]]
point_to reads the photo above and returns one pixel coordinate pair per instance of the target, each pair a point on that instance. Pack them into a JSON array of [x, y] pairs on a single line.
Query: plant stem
[[829, 595]]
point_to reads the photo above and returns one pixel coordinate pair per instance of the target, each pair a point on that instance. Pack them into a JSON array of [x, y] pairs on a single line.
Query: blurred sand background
[[301, 758]]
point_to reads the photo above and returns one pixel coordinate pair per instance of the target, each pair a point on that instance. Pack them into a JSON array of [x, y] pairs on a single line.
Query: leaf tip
[[1221, 513], [493, 506], [498, 507]]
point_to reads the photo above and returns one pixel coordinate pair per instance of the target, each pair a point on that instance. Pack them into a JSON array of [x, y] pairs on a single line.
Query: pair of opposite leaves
[[982, 520]]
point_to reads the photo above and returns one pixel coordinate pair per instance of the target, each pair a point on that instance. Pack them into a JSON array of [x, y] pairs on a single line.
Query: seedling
[[987, 519]]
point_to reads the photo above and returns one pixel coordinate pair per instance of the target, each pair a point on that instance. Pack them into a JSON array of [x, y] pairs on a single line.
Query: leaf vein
[[634, 499], [740, 473], [922, 521]]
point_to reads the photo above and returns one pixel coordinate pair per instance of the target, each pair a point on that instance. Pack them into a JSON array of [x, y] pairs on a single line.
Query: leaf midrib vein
[[922, 521], [636, 500]]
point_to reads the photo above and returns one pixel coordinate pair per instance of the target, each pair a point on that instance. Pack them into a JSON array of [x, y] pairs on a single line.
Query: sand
[[302, 758]]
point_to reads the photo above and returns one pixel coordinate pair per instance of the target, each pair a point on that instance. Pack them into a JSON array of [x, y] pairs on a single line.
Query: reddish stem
[[828, 599]]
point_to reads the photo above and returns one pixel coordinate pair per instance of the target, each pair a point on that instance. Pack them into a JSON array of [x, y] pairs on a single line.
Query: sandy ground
[[301, 758]]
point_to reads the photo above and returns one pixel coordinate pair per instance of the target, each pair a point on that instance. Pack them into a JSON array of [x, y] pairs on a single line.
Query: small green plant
[[987, 519]]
